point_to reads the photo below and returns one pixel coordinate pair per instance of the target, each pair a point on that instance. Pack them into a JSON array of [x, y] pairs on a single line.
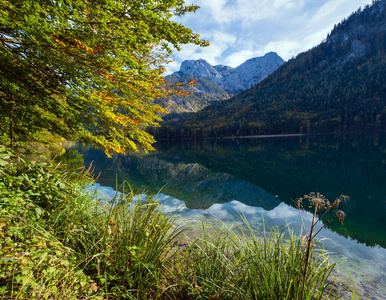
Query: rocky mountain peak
[[232, 80], [198, 68]]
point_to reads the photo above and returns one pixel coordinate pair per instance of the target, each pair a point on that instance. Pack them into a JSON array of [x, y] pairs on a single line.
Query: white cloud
[[225, 12], [242, 29], [283, 211], [237, 58], [285, 48], [220, 42], [172, 67]]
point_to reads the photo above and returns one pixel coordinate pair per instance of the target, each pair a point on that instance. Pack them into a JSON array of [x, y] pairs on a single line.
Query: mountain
[[338, 86], [249, 73], [220, 82], [232, 80]]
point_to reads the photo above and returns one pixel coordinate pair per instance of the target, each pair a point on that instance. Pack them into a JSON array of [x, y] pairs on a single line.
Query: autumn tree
[[86, 69]]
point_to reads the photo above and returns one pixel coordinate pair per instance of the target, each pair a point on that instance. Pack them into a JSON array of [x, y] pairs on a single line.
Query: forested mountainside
[[338, 86], [216, 83]]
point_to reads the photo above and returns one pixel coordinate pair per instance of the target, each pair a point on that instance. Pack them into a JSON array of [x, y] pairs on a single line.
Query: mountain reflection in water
[[263, 173], [260, 178], [366, 265]]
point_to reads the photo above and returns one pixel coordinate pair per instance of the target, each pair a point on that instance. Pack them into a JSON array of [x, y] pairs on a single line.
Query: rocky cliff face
[[232, 80], [355, 36], [250, 72], [217, 83]]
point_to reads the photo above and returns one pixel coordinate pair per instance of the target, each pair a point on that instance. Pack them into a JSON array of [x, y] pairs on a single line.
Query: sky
[[242, 29]]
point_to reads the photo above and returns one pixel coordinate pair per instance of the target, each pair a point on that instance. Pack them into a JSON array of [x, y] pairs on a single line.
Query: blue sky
[[242, 29]]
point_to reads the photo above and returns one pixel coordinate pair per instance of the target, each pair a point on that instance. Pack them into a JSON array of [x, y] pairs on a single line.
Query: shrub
[[34, 263]]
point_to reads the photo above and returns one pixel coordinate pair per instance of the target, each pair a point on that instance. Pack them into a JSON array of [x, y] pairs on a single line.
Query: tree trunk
[[11, 131]]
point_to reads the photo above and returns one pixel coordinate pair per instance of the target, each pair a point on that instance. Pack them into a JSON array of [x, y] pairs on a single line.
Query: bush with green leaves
[[34, 262]]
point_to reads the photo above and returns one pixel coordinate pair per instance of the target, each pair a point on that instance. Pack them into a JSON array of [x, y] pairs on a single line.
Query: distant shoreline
[[276, 135], [265, 136]]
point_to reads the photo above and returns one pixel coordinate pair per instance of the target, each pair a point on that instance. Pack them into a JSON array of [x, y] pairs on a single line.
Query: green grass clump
[[58, 241], [239, 261], [128, 249]]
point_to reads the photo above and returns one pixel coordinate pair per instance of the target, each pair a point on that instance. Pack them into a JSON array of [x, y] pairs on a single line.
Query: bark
[[11, 130]]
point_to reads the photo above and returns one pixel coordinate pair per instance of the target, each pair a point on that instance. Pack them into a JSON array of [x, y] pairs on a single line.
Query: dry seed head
[[340, 215], [299, 203], [341, 198], [318, 200], [335, 204]]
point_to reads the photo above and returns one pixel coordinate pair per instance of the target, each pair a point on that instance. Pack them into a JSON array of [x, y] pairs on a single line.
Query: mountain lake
[[260, 178]]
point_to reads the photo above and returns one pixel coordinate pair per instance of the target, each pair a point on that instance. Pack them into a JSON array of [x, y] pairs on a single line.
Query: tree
[[86, 69]]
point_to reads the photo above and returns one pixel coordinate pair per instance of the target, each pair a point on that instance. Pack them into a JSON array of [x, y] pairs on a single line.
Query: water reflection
[[259, 172], [366, 266]]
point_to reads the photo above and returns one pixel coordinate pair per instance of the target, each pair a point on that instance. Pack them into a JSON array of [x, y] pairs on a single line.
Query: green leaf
[[38, 210]]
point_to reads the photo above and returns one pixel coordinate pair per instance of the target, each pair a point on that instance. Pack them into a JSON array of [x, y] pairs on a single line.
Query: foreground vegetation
[[59, 241]]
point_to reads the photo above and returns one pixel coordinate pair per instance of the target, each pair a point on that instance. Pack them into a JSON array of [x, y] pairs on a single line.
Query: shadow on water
[[259, 172]]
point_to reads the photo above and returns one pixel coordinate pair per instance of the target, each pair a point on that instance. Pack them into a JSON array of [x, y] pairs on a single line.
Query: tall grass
[[239, 261], [127, 249]]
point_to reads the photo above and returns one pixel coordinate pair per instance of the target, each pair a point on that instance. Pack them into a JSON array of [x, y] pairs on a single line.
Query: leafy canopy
[[86, 69]]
